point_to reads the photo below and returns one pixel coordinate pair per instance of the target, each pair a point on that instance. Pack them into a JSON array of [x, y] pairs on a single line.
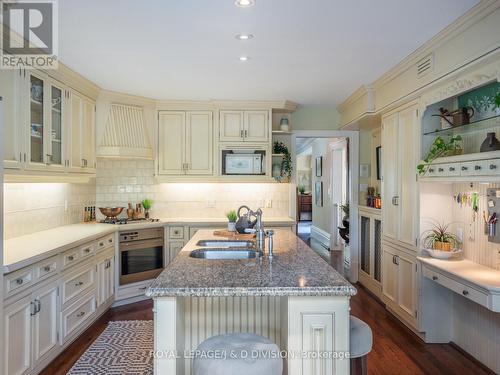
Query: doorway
[[325, 184]]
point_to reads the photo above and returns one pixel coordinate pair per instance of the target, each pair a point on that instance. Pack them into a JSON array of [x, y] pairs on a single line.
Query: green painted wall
[[315, 118]]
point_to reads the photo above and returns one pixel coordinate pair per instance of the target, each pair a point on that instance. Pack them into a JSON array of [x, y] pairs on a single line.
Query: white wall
[[30, 208], [315, 117], [121, 182]]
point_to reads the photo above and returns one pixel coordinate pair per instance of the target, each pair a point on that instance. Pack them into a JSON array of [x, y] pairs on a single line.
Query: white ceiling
[[308, 51]]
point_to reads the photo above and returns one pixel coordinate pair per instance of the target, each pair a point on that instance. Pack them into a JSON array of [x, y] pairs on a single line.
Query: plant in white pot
[[231, 217]]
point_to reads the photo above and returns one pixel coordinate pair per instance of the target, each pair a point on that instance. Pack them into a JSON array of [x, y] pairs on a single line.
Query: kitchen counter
[[295, 270], [25, 250]]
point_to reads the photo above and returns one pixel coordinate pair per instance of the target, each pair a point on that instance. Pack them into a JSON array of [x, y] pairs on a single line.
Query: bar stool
[[361, 341], [244, 361]]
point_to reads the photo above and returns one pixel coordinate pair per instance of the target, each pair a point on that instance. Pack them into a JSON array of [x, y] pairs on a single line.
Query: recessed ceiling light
[[244, 36], [244, 58], [244, 3]]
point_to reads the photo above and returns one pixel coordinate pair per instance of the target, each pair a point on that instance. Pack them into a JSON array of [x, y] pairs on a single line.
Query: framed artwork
[[319, 166], [318, 196], [378, 151]]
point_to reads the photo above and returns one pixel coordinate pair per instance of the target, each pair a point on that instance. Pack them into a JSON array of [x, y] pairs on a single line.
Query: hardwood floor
[[396, 350]]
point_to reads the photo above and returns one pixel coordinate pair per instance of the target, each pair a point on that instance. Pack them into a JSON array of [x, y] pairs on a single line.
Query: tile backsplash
[[30, 208], [122, 181]]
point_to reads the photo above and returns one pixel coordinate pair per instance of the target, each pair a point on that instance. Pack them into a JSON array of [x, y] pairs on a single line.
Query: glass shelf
[[474, 126]]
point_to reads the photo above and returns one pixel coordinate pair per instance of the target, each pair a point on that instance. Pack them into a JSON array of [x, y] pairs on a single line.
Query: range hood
[[125, 134]]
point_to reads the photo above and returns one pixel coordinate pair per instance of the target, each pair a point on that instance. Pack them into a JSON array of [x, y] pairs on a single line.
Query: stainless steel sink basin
[[225, 253], [225, 243]]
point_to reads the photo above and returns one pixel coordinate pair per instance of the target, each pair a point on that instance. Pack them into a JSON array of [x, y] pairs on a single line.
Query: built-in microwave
[[246, 164]]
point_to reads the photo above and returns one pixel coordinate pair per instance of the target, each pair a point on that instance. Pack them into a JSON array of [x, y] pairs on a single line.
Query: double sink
[[225, 250]]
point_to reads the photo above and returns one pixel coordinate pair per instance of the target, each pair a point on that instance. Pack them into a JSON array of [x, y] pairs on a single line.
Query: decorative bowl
[[111, 211], [440, 254]]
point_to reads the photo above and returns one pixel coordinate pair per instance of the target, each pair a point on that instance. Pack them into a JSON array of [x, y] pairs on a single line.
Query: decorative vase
[[146, 214], [231, 227], [491, 143], [284, 125]]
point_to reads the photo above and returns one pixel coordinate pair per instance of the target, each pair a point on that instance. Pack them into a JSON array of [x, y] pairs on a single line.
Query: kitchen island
[[295, 299]]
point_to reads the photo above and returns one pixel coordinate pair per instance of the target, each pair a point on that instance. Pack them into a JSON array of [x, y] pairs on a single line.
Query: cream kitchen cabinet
[[399, 283], [185, 143], [399, 176], [244, 126], [105, 277], [31, 329], [81, 135]]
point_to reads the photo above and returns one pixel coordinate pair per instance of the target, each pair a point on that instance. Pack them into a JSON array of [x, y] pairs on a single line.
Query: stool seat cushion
[[361, 339], [238, 353]]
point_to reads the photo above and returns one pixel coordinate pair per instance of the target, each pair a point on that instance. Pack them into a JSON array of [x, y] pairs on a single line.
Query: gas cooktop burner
[[123, 221]]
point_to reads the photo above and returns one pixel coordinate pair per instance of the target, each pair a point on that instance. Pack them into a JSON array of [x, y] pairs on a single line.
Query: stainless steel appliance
[[244, 164], [141, 255]]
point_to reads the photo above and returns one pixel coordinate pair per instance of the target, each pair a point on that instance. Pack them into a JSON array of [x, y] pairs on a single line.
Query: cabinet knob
[[493, 166], [477, 167], [440, 170], [19, 281], [110, 240], [71, 257], [87, 250], [452, 169], [431, 170], [101, 243], [465, 292], [434, 277], [464, 168]]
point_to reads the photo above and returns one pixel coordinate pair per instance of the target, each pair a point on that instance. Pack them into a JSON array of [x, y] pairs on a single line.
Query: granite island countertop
[[295, 270]]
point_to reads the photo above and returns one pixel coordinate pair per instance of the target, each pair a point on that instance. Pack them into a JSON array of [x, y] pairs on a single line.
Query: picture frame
[[318, 193], [319, 166], [378, 153]]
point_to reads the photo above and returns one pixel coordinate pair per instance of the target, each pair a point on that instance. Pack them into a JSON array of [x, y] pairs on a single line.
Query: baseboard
[[130, 300], [321, 236]]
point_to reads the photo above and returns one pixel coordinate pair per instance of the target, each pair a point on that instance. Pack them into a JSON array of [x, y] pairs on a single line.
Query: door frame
[[353, 193]]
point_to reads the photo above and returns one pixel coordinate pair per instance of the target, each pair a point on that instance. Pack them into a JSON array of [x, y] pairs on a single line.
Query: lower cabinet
[[105, 278], [77, 314], [31, 329], [370, 250], [399, 283]]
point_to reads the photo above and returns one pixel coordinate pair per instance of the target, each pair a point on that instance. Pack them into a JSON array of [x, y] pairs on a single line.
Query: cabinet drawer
[[459, 288], [76, 284], [446, 170], [473, 168], [87, 250], [176, 232], [104, 242], [70, 257], [46, 268], [74, 316], [490, 167], [18, 280]]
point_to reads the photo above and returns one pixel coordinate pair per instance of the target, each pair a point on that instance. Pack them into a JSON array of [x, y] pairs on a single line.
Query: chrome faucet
[[269, 234], [260, 233]]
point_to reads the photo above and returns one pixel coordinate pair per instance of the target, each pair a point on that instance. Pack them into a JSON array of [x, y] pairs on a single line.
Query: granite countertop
[[475, 273], [25, 250], [295, 270]]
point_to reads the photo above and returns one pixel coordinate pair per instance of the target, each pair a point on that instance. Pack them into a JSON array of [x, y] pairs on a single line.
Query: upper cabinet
[[399, 186], [185, 143], [244, 126], [49, 127]]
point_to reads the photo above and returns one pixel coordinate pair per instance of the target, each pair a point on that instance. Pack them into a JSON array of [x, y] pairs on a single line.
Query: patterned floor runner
[[124, 347]]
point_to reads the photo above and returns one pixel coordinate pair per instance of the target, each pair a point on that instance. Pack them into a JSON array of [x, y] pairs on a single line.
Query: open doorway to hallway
[[322, 170]]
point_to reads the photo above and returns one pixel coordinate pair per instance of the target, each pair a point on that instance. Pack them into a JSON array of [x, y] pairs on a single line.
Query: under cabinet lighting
[[244, 36], [244, 3], [244, 58]]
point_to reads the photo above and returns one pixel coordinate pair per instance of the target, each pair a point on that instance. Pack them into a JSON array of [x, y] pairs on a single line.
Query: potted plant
[[440, 238], [286, 164], [302, 189], [231, 217], [438, 149], [147, 203]]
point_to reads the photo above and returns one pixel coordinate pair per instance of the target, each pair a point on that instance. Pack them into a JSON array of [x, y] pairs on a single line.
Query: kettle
[[457, 117], [244, 220]]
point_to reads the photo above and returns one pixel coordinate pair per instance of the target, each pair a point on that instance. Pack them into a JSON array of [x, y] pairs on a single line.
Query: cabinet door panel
[[88, 134], [171, 143], [390, 175], [10, 116], [17, 331], [37, 120], [406, 285], [389, 275], [57, 128], [231, 126], [408, 183], [174, 248], [256, 126], [45, 325], [199, 136], [76, 121]]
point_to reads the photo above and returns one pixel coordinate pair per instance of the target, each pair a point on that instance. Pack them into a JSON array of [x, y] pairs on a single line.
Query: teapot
[[457, 117], [244, 220]]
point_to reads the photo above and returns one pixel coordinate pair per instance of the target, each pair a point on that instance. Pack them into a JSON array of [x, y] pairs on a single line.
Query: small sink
[[225, 243], [225, 253]]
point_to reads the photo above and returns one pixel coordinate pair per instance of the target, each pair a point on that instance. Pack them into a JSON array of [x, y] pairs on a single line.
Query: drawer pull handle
[[19, 281], [477, 167], [452, 169], [464, 168], [101, 243], [434, 277], [80, 283], [441, 170], [493, 166], [431, 170], [87, 250], [71, 257], [144, 288], [46, 268], [465, 292], [110, 240], [80, 314]]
